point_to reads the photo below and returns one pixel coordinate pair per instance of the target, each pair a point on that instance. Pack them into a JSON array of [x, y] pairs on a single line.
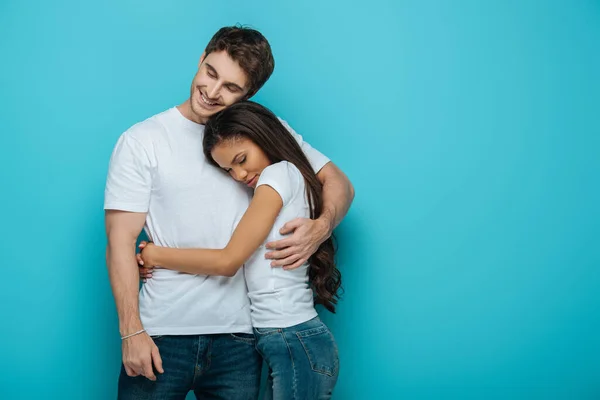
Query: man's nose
[[213, 92]]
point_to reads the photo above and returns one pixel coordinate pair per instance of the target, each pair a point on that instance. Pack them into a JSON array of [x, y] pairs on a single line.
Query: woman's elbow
[[229, 272], [230, 268]]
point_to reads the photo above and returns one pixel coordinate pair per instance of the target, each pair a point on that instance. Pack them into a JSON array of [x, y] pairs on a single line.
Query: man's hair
[[250, 49]]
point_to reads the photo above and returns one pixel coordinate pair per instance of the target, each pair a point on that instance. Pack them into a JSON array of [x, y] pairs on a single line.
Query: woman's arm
[[249, 234]]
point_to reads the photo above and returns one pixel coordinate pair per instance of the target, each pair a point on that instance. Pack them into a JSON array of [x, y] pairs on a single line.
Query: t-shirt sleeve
[[316, 158], [283, 178], [129, 181]]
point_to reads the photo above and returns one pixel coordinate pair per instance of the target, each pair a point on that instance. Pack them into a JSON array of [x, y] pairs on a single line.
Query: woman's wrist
[[157, 255]]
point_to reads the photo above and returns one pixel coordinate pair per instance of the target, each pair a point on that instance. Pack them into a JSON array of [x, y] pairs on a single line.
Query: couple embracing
[[240, 212]]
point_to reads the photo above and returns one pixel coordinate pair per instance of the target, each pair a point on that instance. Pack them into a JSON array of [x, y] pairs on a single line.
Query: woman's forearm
[[249, 234], [195, 261]]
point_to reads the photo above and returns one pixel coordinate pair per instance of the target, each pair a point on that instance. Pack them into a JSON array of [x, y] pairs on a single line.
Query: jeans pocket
[[320, 349], [247, 338], [266, 331]]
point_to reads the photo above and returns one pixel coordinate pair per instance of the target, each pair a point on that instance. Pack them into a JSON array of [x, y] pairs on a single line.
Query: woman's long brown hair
[[257, 123]]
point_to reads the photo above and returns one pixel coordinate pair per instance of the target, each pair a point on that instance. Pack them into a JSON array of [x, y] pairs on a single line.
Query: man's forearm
[[338, 194], [124, 280]]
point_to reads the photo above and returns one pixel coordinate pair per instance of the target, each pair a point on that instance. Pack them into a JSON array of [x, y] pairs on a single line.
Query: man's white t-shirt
[[280, 298], [158, 167]]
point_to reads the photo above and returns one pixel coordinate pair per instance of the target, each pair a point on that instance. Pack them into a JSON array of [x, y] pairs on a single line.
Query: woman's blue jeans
[[302, 359]]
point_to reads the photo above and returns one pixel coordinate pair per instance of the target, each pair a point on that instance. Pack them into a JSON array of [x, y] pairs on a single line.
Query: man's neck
[[185, 109]]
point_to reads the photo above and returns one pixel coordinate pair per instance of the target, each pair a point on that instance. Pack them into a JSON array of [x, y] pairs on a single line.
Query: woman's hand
[[145, 261]]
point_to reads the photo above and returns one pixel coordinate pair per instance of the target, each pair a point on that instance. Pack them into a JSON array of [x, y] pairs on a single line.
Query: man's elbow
[[350, 190], [332, 173], [349, 187], [120, 237]]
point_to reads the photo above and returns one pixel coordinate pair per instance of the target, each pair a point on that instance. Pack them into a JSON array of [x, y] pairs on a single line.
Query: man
[[189, 332]]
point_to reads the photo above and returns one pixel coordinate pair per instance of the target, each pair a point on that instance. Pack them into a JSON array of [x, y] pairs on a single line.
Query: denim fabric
[[302, 360], [224, 366]]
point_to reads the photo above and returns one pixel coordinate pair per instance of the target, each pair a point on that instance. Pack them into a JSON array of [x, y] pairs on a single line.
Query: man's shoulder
[[284, 123], [291, 130], [150, 128]]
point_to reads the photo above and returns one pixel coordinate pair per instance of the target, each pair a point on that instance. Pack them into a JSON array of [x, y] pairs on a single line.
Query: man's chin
[[203, 114]]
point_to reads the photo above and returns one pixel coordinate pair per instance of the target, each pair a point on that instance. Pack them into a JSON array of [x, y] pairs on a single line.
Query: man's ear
[[202, 57]]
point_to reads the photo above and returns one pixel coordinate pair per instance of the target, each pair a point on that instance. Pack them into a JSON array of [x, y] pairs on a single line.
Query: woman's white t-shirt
[[280, 298]]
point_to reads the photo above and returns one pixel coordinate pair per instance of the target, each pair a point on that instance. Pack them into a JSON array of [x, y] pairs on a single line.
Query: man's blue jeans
[[225, 367], [302, 359]]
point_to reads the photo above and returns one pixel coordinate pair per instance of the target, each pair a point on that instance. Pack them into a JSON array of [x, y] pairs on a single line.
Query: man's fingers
[[157, 360], [148, 372], [280, 244], [137, 356], [295, 265], [129, 371], [133, 368], [285, 261], [291, 226], [280, 254]]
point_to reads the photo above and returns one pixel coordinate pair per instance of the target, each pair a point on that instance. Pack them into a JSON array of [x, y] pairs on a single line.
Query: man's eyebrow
[[214, 72], [212, 69]]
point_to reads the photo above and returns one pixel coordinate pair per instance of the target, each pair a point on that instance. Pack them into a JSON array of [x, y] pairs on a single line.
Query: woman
[[250, 143]]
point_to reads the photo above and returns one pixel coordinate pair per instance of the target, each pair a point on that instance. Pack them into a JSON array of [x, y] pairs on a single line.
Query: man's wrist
[[133, 334], [326, 222], [130, 327]]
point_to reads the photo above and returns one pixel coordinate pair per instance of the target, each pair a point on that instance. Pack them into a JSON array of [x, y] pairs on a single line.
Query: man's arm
[[122, 230], [293, 251], [338, 194]]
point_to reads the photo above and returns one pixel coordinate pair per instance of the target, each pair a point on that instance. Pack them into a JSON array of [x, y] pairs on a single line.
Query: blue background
[[470, 130]]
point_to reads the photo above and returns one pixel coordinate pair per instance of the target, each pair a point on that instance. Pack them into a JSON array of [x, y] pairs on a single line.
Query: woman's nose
[[239, 174]]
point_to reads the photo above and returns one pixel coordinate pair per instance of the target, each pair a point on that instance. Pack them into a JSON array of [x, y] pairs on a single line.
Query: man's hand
[[293, 251], [139, 353]]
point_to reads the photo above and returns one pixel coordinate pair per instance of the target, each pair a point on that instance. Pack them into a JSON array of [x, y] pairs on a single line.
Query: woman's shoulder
[[284, 177], [282, 169]]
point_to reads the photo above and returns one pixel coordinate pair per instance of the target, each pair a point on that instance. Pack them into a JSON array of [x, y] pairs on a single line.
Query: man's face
[[219, 82]]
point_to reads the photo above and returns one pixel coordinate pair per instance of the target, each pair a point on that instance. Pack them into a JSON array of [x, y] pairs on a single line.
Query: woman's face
[[242, 159]]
